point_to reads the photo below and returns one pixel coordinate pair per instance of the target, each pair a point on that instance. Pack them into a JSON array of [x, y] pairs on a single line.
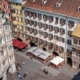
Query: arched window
[[56, 37], [30, 14], [61, 39], [40, 25], [35, 31], [31, 38], [35, 23], [34, 15], [62, 21], [62, 31], [26, 13], [26, 21], [50, 19], [31, 30], [56, 29], [45, 34], [27, 37], [40, 41], [50, 36], [51, 28], [39, 16], [61, 49], [50, 45], [30, 22], [70, 24], [40, 32], [55, 47], [45, 26], [45, 43], [45, 17]]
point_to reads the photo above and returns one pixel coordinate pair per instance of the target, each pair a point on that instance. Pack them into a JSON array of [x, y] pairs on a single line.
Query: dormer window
[[51, 28], [39, 16], [62, 21], [45, 17], [50, 19], [70, 24]]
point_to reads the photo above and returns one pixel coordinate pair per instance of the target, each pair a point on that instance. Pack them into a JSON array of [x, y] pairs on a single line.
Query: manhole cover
[[42, 79]]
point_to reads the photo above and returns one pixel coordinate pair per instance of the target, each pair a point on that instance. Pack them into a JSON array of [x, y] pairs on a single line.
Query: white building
[[49, 24], [7, 59]]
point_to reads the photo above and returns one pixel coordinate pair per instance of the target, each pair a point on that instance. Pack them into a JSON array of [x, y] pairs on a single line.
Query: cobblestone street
[[35, 72]]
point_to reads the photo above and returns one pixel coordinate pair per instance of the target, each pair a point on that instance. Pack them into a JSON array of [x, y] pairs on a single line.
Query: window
[[45, 43], [45, 17], [70, 24], [4, 62], [62, 31], [40, 41], [34, 15], [27, 37], [11, 57], [35, 40], [35, 23], [31, 38], [31, 22], [61, 39], [26, 21], [16, 11], [69, 42], [7, 27], [1, 41], [39, 16], [2, 52], [40, 32], [35, 31], [61, 49], [40, 25], [56, 29], [69, 52], [45, 26], [10, 47], [55, 47], [50, 28], [50, 46], [56, 20], [62, 21], [17, 18], [26, 13], [56, 37], [31, 30], [50, 19], [30, 14], [50, 36], [45, 34], [75, 41], [69, 33]]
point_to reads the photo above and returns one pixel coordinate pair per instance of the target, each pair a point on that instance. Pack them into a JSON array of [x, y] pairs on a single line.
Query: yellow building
[[17, 19]]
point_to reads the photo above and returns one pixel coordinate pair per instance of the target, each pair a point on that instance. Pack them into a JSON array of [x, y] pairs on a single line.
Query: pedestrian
[[25, 74]]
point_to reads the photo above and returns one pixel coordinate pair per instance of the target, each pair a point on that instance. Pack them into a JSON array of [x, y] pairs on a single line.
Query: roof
[[76, 31], [67, 7], [57, 60]]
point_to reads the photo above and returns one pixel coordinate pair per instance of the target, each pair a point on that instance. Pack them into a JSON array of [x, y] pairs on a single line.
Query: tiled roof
[[76, 31], [68, 7]]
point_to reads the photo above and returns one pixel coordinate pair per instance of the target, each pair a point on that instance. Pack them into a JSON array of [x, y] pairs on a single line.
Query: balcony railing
[[76, 46]]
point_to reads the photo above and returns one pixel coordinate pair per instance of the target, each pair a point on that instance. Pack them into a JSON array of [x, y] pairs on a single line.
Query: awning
[[18, 44], [57, 60]]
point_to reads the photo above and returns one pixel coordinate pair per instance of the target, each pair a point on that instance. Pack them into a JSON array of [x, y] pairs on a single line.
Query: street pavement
[[35, 72]]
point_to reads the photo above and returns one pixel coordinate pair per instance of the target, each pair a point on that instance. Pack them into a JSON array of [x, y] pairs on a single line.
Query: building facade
[[7, 60], [49, 24], [76, 46], [17, 17], [5, 7]]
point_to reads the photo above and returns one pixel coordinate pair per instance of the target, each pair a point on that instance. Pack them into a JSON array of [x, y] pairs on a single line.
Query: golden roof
[[76, 31]]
